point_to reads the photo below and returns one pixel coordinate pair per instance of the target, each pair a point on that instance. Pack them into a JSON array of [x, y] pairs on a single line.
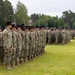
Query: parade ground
[[57, 60]]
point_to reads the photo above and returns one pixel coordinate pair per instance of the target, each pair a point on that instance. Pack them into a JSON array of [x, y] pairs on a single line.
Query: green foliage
[[2, 6], [35, 17], [57, 60], [21, 14], [6, 11], [49, 21], [74, 24], [43, 20], [68, 17]]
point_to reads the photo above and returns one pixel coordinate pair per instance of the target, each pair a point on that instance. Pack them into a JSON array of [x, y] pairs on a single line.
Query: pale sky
[[48, 7]]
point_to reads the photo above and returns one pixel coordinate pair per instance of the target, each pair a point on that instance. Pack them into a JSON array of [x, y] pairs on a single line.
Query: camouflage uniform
[[53, 37], [14, 47], [30, 46], [33, 53], [49, 36], [38, 43], [44, 39], [63, 36], [66, 37], [41, 41], [23, 47], [26, 43], [60, 36], [1, 47], [19, 48], [56, 36], [7, 45]]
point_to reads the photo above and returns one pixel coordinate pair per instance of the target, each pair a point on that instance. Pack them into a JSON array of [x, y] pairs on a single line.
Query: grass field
[[57, 60]]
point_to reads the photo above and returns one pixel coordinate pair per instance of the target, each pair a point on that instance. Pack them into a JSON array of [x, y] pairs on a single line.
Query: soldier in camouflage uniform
[[66, 37], [53, 36], [63, 36], [19, 46], [49, 36], [14, 45], [60, 36], [1, 46], [33, 48], [26, 43], [56, 36], [42, 40], [31, 45], [7, 45], [38, 43], [23, 51]]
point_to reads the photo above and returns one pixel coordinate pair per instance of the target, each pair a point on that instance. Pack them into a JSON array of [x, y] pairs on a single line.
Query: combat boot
[[17, 63], [22, 61], [13, 65], [8, 67]]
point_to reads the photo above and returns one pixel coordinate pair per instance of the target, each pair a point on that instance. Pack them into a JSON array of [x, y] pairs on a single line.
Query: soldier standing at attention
[[7, 45], [1, 45], [14, 44], [19, 46], [56, 36], [26, 43]]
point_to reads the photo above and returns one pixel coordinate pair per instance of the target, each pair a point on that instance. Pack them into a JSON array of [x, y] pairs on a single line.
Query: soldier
[[53, 36], [26, 43], [49, 36], [63, 36], [42, 40], [1, 46], [60, 36], [19, 46], [33, 48], [37, 42], [56, 36], [23, 51], [14, 45], [45, 36], [31, 45], [7, 45], [66, 37]]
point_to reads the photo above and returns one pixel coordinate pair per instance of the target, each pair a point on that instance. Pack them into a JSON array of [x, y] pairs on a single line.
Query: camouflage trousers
[[1, 54], [7, 56], [18, 55], [13, 56], [26, 52]]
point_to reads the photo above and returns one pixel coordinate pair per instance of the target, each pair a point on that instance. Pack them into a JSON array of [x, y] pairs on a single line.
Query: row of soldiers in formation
[[18, 44], [58, 36], [21, 44]]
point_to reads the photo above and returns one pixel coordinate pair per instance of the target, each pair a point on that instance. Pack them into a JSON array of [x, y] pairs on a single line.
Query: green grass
[[57, 60]]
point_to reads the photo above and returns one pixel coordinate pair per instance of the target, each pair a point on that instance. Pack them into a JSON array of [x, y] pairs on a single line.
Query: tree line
[[67, 20], [20, 16], [7, 13]]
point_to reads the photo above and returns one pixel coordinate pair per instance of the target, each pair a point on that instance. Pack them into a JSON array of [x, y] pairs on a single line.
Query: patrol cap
[[18, 26], [36, 26], [42, 27], [23, 26], [14, 26], [8, 23]]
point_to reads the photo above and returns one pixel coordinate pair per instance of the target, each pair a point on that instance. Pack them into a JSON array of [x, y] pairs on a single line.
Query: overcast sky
[[48, 7]]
